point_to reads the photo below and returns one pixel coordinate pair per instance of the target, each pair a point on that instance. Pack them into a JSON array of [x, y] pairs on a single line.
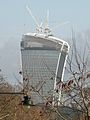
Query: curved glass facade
[[39, 64]]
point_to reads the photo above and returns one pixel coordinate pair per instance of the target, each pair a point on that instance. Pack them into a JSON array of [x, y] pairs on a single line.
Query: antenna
[[29, 10]]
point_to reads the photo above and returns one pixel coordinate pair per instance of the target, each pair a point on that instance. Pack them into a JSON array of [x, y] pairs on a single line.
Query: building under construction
[[43, 63]]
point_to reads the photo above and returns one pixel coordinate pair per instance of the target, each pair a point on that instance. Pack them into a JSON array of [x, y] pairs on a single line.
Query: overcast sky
[[15, 20]]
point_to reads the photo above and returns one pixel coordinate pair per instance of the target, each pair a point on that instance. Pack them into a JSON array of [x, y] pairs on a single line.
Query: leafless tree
[[77, 88]]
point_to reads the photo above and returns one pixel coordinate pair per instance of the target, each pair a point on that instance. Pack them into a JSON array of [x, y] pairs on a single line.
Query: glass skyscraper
[[43, 63]]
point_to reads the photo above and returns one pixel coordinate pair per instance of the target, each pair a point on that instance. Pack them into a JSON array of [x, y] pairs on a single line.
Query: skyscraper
[[43, 63]]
